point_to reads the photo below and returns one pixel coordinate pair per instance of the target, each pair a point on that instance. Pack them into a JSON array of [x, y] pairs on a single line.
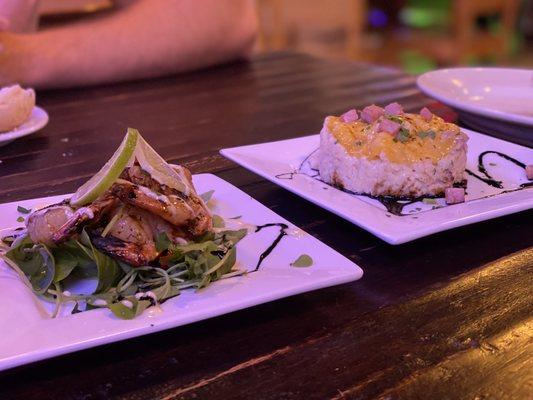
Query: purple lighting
[[377, 18]]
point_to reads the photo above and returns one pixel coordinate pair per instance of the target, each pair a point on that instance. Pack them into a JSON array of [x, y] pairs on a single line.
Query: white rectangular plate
[[28, 335], [283, 163]]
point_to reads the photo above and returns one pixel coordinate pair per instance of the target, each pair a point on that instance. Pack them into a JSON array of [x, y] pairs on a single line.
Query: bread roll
[[16, 105]]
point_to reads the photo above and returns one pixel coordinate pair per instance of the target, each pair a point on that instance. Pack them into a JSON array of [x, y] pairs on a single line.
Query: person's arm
[[148, 38]]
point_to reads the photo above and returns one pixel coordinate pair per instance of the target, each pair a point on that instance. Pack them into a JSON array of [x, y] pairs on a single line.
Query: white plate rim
[[423, 85]]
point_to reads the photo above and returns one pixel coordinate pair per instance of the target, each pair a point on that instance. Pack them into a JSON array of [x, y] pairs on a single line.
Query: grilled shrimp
[[140, 190], [142, 209], [130, 238], [84, 215], [136, 175], [44, 223]]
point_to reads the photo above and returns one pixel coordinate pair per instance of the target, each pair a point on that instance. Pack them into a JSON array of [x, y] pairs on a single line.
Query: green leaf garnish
[[403, 135], [124, 290], [20, 219], [218, 221], [23, 210], [109, 271], [122, 310], [35, 261], [303, 261], [424, 134], [395, 118], [162, 242], [68, 257], [429, 201]]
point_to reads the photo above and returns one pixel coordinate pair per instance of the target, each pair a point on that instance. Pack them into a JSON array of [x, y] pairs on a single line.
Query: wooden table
[[448, 316]]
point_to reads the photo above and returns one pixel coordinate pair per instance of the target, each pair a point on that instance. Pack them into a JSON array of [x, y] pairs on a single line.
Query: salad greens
[[124, 290]]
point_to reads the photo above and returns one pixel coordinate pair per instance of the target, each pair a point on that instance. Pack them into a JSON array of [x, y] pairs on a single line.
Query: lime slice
[[109, 173], [159, 169]]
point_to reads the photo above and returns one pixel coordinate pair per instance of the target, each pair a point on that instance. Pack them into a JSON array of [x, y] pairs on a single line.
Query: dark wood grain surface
[[445, 317]]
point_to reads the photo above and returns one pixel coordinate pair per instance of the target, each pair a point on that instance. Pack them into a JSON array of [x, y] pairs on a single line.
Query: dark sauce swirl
[[282, 232], [485, 177], [395, 205]]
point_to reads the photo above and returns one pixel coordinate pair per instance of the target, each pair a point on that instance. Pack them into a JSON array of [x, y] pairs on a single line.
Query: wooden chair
[[301, 24], [470, 41]]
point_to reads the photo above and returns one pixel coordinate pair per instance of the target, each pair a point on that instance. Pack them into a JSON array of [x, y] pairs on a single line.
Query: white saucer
[[38, 119]]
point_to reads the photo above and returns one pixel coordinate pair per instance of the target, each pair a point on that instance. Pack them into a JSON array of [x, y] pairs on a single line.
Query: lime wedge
[[109, 173], [159, 169]]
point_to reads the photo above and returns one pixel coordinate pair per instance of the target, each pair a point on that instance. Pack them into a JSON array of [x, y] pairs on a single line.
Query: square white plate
[[28, 335], [284, 163]]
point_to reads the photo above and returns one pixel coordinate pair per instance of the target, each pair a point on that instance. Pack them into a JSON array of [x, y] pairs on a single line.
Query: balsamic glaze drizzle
[[489, 180], [282, 232], [395, 205]]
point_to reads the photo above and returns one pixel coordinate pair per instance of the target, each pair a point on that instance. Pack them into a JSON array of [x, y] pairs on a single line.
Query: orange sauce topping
[[367, 140]]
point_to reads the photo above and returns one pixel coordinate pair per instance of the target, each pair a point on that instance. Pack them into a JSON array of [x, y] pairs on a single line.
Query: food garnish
[[302, 261], [454, 195], [23, 210], [109, 173], [529, 171]]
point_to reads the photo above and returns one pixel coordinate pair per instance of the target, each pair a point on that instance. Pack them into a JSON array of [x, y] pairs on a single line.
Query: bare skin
[[145, 39]]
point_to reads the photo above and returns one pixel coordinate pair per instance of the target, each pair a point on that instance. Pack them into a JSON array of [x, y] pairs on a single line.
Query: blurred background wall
[[415, 35]]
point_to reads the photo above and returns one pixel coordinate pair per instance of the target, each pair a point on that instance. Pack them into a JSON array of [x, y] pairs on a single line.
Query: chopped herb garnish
[[429, 201], [492, 164], [403, 136], [237, 217], [303, 261], [23, 210], [395, 118], [425, 134], [20, 219]]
